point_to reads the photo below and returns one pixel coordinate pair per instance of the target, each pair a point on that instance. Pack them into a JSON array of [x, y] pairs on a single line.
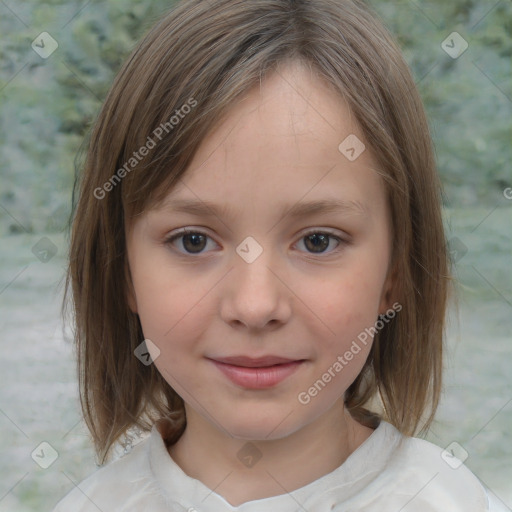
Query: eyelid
[[342, 240], [168, 239], [326, 231]]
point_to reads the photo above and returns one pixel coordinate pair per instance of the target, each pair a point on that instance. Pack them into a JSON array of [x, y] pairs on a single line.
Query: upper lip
[[250, 362]]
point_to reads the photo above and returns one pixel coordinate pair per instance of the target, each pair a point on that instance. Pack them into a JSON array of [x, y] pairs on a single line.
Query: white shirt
[[388, 472]]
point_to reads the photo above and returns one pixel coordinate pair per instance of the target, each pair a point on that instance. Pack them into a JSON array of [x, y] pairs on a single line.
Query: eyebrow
[[207, 208]]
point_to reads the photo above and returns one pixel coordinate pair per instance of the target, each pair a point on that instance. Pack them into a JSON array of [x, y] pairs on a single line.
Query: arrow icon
[[249, 253], [351, 147], [44, 455], [249, 455], [44, 250], [454, 460], [454, 45], [147, 352], [44, 45]]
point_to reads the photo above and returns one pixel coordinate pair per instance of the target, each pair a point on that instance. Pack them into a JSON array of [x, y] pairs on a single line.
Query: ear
[[130, 291], [388, 290]]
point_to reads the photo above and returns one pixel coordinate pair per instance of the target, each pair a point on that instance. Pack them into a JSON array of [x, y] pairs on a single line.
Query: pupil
[[321, 241], [195, 240]]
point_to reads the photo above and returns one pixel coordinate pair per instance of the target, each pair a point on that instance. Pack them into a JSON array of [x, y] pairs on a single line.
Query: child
[[259, 271]]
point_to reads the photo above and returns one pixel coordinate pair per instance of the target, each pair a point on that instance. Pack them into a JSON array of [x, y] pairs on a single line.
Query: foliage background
[[46, 106], [46, 109]]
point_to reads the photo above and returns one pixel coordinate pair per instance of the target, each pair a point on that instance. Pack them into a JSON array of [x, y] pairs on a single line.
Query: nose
[[255, 295]]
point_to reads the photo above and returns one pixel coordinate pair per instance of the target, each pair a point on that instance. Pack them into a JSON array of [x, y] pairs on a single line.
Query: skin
[[274, 149]]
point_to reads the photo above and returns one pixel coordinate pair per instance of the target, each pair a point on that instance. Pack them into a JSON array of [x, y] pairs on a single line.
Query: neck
[[245, 470]]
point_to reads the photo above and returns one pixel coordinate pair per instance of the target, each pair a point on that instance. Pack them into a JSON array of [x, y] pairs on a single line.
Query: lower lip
[[258, 378]]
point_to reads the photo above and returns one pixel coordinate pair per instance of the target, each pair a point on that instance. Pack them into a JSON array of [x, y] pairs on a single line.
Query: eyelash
[[341, 242]]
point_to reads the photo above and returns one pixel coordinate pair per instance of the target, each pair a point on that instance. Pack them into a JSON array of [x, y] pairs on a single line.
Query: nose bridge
[[253, 264], [256, 295]]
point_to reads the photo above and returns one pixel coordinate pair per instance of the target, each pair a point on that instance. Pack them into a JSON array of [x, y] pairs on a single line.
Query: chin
[[254, 427]]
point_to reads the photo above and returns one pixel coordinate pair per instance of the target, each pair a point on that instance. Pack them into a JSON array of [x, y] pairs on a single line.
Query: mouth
[[260, 373], [259, 362]]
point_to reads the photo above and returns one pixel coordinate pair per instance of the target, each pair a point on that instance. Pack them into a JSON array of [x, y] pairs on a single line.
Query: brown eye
[[192, 242], [195, 242], [317, 242]]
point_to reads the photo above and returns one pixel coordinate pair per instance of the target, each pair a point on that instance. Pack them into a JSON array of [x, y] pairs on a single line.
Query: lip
[[268, 374], [254, 362]]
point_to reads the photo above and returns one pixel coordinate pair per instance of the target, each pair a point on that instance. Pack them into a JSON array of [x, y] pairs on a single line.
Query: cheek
[[165, 299], [173, 312], [166, 313], [171, 320], [154, 303], [349, 302], [348, 307]]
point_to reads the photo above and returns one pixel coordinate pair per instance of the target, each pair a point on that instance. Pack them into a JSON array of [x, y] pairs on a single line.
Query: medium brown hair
[[213, 53]]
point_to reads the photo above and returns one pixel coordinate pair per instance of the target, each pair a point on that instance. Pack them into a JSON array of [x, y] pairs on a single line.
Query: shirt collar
[[341, 484]]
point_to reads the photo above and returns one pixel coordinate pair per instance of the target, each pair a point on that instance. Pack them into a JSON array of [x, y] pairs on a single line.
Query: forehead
[[282, 146]]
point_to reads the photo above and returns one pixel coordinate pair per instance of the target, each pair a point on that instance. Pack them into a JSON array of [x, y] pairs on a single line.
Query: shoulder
[[453, 477], [122, 485], [422, 477]]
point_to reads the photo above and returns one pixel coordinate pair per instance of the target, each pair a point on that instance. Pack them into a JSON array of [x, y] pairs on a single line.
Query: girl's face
[[262, 273]]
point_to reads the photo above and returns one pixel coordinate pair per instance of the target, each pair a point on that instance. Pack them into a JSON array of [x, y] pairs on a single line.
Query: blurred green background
[[47, 106]]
